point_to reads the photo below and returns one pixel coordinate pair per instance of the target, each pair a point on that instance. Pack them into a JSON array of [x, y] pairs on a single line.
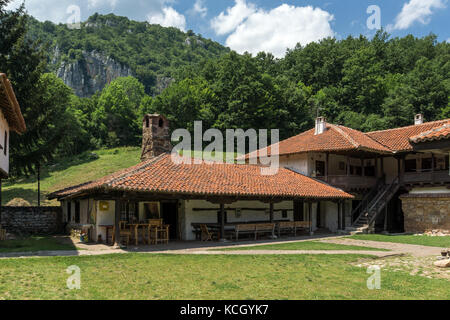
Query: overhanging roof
[[10, 107]]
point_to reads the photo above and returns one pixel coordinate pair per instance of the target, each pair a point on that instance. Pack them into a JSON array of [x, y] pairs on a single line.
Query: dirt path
[[412, 249]]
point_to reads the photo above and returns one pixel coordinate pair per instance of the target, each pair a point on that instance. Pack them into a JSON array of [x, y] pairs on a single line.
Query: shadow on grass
[[37, 243]]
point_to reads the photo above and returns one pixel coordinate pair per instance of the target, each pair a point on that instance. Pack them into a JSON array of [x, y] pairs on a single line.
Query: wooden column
[[38, 167], [363, 168], [339, 216], [432, 162], [348, 165], [310, 219], [271, 211], [327, 157], [116, 222], [343, 215], [385, 218], [222, 222], [0, 203]]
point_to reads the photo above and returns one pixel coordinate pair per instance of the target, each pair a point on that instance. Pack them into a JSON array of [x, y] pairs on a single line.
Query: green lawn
[[33, 244], [443, 242], [304, 245], [191, 277]]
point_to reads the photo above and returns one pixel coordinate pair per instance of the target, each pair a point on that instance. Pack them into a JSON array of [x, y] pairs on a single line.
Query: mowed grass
[[69, 172], [304, 245], [33, 244], [192, 277], [443, 242]]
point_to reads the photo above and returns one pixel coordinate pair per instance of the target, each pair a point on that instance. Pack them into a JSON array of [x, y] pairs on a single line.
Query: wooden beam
[[271, 211], [222, 222], [116, 222]]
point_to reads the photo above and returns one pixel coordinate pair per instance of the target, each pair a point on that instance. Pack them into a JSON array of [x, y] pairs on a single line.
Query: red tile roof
[[339, 138], [398, 140], [434, 134], [335, 138], [160, 175]]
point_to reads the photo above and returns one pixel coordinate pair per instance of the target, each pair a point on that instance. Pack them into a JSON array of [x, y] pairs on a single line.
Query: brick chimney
[[321, 125], [418, 119], [155, 136]]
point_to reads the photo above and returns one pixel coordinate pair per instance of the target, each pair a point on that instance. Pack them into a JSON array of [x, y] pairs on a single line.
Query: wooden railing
[[426, 177], [346, 182]]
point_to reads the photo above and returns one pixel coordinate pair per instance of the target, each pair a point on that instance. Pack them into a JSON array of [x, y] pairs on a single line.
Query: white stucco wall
[[4, 158], [189, 216], [104, 217], [297, 161]]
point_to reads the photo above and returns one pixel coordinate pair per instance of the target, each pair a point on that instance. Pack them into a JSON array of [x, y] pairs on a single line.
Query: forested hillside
[[107, 46]]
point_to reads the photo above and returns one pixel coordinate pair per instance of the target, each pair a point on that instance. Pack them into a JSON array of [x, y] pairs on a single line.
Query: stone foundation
[[32, 220], [426, 212]]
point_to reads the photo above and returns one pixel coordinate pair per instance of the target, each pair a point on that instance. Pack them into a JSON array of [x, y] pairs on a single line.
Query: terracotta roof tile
[[335, 138], [439, 133], [162, 175], [398, 139]]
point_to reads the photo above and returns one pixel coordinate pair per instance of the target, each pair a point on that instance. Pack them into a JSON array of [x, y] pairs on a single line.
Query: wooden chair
[[152, 230], [206, 235], [163, 233]]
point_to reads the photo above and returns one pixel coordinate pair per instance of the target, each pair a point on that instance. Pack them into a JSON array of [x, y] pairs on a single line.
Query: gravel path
[[396, 249]]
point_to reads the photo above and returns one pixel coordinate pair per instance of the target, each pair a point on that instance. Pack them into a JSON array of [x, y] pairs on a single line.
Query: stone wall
[[32, 220], [426, 212]]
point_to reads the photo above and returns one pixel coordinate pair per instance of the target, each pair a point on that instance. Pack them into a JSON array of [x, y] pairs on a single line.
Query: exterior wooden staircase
[[372, 205]]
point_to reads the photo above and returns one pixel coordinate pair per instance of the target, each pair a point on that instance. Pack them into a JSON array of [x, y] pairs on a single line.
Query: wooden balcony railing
[[436, 177], [348, 182]]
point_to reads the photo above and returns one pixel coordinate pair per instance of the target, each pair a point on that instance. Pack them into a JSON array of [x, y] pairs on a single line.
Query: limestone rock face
[[92, 73]]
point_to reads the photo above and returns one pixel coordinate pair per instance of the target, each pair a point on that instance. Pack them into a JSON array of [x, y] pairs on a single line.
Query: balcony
[[429, 177], [350, 182]]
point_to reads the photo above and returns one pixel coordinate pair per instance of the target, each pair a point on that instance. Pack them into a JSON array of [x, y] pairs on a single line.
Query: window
[[410, 165], [161, 123], [427, 164], [77, 212], [320, 168], [5, 148], [284, 214], [69, 211], [147, 122], [298, 211]]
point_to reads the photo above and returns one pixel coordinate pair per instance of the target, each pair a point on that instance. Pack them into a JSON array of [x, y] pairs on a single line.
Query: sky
[[263, 25]]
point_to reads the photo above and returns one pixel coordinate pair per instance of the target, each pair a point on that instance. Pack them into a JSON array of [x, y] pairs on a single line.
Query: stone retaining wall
[[32, 220], [426, 212]]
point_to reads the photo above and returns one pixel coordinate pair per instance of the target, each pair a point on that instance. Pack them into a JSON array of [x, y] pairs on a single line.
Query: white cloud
[[169, 17], [227, 22], [101, 3], [272, 31], [416, 10], [199, 8]]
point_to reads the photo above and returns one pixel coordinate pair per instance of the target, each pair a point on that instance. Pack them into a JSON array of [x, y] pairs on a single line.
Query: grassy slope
[[69, 172], [304, 245], [143, 276], [72, 171], [443, 242]]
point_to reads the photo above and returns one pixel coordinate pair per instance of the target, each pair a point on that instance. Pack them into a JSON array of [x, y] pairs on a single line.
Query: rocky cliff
[[92, 73]]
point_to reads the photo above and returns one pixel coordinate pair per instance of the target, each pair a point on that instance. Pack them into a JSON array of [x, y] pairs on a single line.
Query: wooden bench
[[255, 228], [291, 227]]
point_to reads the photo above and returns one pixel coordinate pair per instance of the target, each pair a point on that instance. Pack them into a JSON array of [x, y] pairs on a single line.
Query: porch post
[[339, 215], [348, 165], [222, 222], [343, 215], [271, 211], [432, 162], [116, 222], [311, 233], [327, 157], [363, 169], [385, 218]]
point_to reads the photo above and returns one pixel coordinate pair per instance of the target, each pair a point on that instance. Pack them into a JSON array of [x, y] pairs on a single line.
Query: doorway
[[169, 214]]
